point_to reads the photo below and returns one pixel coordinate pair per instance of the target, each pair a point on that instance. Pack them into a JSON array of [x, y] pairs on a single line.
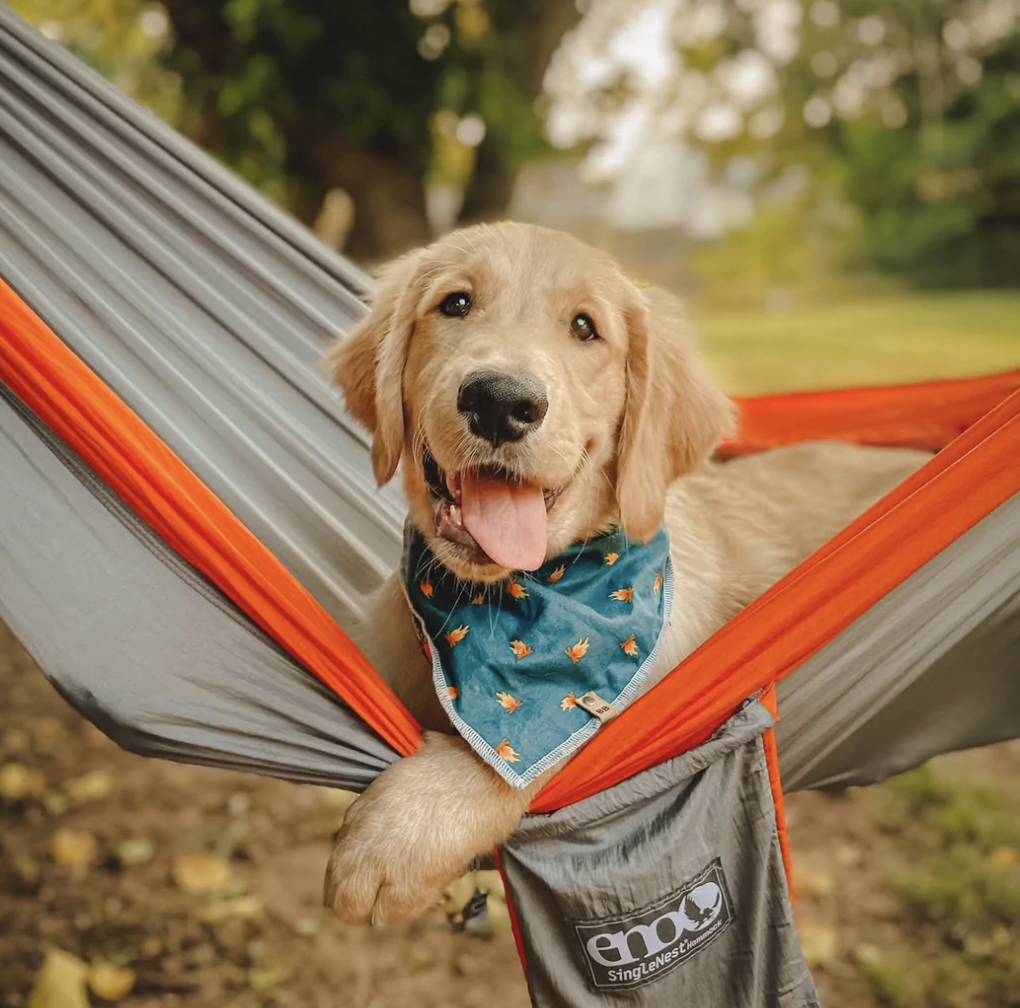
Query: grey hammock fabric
[[141, 643], [204, 307], [669, 886], [934, 666], [208, 310]]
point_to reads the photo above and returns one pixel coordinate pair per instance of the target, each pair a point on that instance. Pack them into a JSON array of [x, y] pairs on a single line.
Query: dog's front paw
[[383, 867], [416, 829]]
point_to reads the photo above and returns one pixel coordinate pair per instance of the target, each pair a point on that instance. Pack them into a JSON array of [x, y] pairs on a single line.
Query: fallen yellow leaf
[[337, 798], [90, 787], [110, 982], [54, 803], [60, 982], [261, 978], [199, 873], [18, 782], [812, 883], [491, 883], [1005, 857], [848, 856], [818, 942], [27, 869], [242, 907], [867, 954], [457, 894], [74, 848], [135, 851]]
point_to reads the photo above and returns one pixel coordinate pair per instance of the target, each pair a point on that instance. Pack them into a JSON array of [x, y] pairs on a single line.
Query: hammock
[[188, 518]]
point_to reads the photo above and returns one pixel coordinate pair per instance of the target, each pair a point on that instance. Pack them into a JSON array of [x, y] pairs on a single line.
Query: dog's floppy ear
[[675, 414], [369, 364]]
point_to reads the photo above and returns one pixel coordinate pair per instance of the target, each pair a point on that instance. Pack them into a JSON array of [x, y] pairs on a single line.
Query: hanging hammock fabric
[[207, 312], [188, 518]]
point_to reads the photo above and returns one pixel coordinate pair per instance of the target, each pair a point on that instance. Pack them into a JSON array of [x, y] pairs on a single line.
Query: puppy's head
[[533, 393]]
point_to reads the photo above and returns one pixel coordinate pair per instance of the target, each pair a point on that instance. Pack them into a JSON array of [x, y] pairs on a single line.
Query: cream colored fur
[[632, 422]]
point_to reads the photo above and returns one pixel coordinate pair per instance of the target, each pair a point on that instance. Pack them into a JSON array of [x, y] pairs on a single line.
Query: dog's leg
[[418, 827]]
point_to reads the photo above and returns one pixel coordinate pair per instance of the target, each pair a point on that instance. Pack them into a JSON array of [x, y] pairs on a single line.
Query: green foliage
[[284, 90], [790, 250], [931, 164], [912, 106], [329, 94], [949, 980], [943, 209], [507, 77], [120, 38]]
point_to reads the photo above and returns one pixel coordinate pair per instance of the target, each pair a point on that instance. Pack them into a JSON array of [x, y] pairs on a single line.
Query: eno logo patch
[[636, 948]]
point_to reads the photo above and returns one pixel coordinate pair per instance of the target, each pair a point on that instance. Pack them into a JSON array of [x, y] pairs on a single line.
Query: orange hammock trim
[[926, 415]]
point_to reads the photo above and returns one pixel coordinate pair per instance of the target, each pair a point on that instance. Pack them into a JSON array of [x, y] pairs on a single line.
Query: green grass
[[960, 812], [961, 889], [868, 340], [893, 982]]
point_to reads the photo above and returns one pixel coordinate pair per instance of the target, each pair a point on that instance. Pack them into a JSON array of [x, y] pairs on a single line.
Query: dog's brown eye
[[456, 305], [583, 328]]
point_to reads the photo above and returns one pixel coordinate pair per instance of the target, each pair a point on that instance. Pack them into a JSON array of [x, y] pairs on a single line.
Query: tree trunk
[[389, 207], [528, 32], [492, 182], [388, 192]]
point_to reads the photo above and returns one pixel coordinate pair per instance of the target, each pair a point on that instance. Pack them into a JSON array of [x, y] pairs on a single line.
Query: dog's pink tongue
[[508, 520]]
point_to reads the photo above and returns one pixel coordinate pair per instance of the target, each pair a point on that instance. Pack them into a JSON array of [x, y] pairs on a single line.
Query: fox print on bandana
[[510, 660]]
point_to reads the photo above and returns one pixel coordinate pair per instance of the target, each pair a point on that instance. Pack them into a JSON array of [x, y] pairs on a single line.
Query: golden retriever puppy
[[537, 402]]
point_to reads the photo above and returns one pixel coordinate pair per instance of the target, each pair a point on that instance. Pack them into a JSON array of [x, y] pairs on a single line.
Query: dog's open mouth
[[491, 512]]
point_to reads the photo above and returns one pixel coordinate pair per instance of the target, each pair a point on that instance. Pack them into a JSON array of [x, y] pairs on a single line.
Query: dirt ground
[[201, 887]]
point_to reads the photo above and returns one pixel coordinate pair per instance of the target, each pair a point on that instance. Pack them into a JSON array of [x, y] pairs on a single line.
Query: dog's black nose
[[502, 407]]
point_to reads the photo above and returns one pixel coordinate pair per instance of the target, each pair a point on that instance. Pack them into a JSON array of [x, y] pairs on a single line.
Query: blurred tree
[[938, 189], [123, 39], [916, 106], [503, 70], [306, 97], [329, 94], [908, 109]]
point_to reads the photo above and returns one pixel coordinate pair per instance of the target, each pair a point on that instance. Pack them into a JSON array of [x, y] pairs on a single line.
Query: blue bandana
[[529, 669]]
